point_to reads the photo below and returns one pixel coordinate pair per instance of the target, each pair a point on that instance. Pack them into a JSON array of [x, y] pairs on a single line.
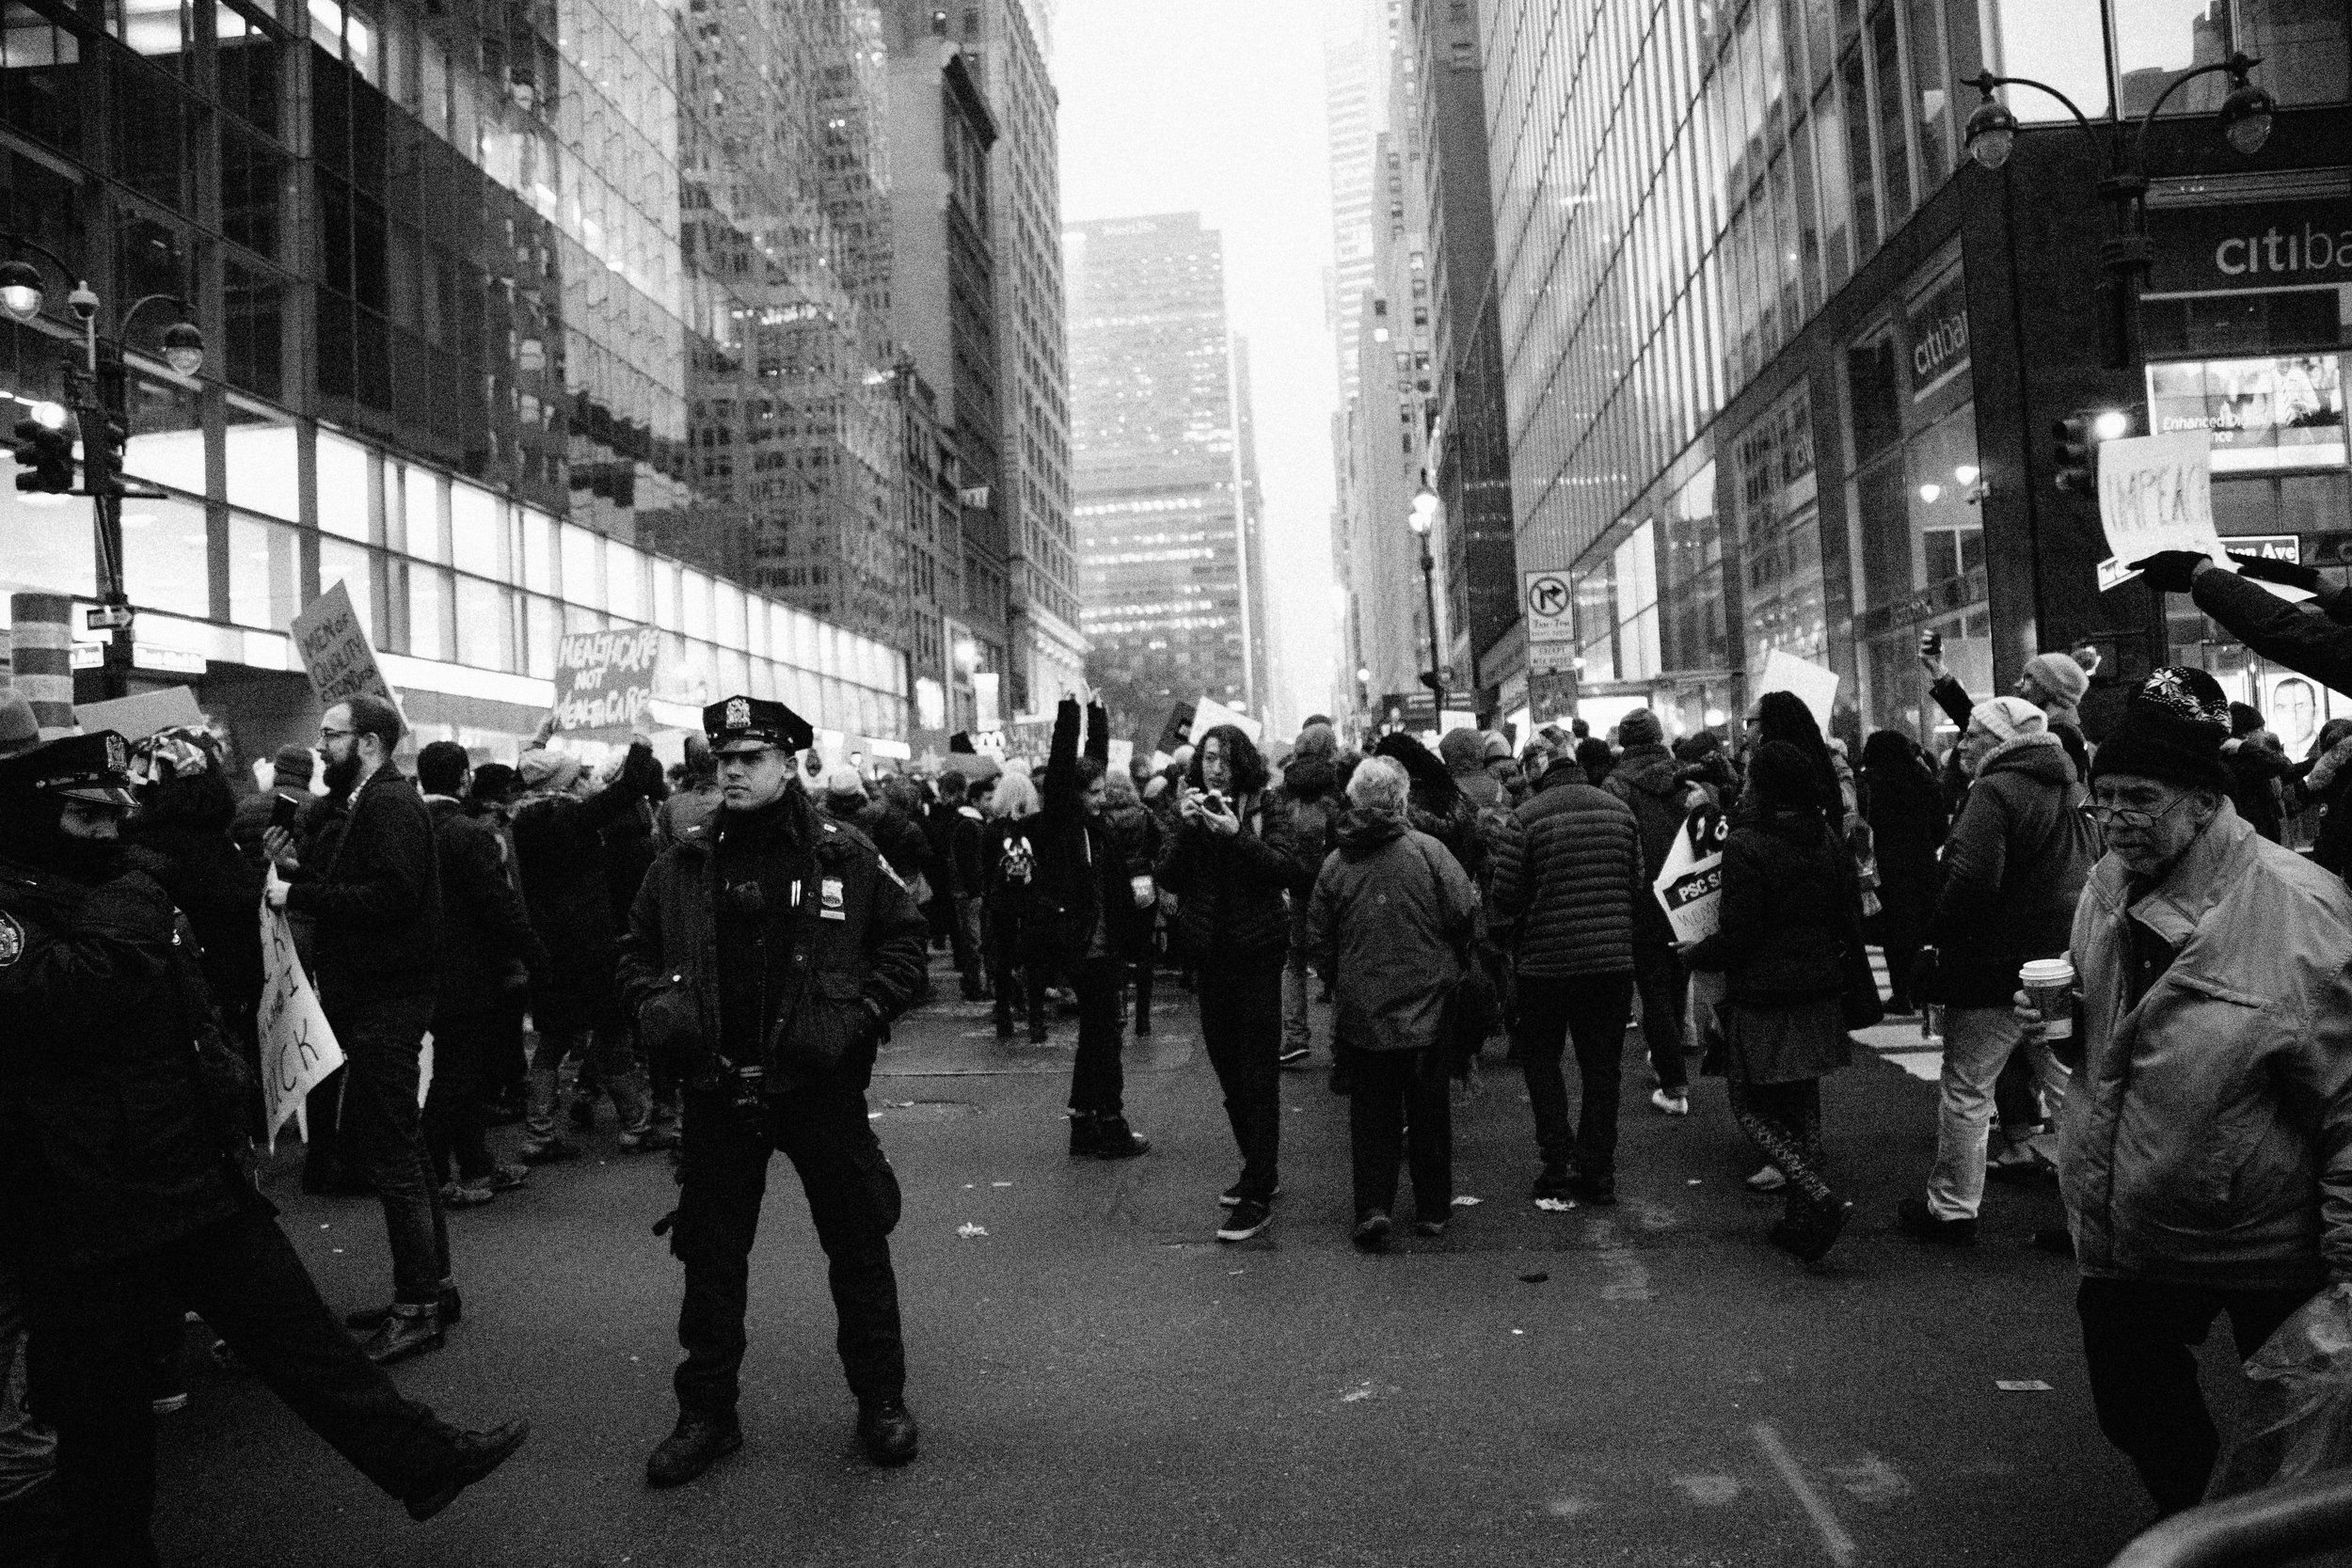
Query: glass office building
[[438, 256]]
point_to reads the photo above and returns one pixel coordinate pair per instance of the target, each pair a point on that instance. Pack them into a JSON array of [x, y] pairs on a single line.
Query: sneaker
[[407, 1330], [1917, 1221], [1293, 1055], [651, 1140], [505, 1178], [1371, 1234], [1670, 1103], [171, 1404], [1598, 1191], [1432, 1228], [1244, 1220], [1768, 1179], [547, 1153], [1232, 1195], [369, 1318], [1552, 1182], [466, 1195]]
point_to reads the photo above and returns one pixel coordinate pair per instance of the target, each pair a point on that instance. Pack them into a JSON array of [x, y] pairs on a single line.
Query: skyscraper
[[1170, 603]]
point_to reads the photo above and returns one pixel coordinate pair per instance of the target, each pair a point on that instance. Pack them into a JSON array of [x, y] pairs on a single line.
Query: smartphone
[[1930, 644], [283, 812]]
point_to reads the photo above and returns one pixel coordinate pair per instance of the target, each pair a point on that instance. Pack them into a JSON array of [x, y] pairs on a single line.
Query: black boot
[[472, 1456], [369, 1318], [1085, 1135], [888, 1430], [406, 1330], [695, 1444], [1115, 1140]]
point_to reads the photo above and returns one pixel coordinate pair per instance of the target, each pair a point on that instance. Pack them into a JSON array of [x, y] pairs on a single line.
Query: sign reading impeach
[[603, 679]]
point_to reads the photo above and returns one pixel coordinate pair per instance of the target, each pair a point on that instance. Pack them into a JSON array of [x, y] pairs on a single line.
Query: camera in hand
[[1930, 644]]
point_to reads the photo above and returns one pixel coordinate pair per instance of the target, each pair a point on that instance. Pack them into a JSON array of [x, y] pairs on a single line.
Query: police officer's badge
[[739, 713], [11, 940]]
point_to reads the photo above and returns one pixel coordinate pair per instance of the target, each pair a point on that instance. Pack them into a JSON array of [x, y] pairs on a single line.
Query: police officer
[[122, 1116], [766, 959]]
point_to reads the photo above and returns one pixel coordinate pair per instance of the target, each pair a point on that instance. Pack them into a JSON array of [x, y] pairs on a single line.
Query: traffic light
[[44, 450], [104, 443], [2077, 439]]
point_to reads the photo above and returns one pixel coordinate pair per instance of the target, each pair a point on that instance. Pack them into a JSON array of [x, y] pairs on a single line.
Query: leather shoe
[[888, 1430], [694, 1446], [474, 1455], [369, 1318], [405, 1331], [1921, 1222]]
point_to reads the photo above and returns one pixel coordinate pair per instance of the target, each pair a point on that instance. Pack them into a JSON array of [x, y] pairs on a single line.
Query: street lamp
[[1421, 520]]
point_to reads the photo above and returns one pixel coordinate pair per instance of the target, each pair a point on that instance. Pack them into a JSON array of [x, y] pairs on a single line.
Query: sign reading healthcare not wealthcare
[[604, 679], [298, 1048], [2155, 494], [336, 653]]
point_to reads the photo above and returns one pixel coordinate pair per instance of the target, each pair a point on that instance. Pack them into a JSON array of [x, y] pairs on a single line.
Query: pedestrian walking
[[1790, 926], [765, 960], [1137, 837], [2208, 1142], [1309, 788], [123, 1118], [1009, 857], [1390, 918], [1230, 862], [1644, 780], [953, 825], [1567, 879], [1904, 806], [376, 905], [2013, 870]]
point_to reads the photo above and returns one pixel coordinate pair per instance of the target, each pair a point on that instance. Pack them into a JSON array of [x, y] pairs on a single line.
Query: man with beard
[[764, 962], [123, 1116], [376, 904]]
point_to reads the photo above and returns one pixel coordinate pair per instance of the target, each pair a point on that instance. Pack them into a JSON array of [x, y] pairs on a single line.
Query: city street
[[1100, 1381]]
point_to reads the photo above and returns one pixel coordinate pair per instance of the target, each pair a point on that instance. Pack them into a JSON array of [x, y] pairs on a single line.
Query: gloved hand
[[2289, 574], [2171, 571]]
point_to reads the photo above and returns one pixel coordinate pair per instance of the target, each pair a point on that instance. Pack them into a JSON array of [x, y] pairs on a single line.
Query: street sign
[[1550, 605], [112, 617]]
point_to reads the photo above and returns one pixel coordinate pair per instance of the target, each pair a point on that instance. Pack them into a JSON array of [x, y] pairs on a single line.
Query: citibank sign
[[2284, 254], [2202, 248]]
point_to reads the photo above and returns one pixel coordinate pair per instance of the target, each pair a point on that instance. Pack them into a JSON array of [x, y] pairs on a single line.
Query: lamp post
[[1422, 519], [98, 390]]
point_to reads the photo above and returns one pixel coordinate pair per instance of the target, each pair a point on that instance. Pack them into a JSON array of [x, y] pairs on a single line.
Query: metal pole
[[1429, 596]]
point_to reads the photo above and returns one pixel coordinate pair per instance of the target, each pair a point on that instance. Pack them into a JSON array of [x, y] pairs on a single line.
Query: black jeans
[[89, 1375], [1240, 1025], [1665, 990], [1097, 1080], [2138, 1339], [1139, 971], [1397, 1093], [453, 1106], [1589, 1011], [853, 1198], [382, 1039]]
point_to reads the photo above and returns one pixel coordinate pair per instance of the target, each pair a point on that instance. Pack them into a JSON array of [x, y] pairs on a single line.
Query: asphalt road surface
[[1100, 1382]]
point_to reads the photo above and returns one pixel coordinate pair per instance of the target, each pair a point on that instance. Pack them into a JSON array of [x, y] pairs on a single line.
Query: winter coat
[[1080, 903], [899, 838], [2013, 868], [1644, 780], [1231, 886], [559, 854], [1567, 878], [939, 834], [484, 929], [1136, 838], [220, 891], [108, 1144], [1391, 911], [1006, 899], [685, 814], [1905, 809], [2207, 1139], [1310, 788], [375, 902], [2255, 768], [2327, 780], [858, 957], [1790, 921]]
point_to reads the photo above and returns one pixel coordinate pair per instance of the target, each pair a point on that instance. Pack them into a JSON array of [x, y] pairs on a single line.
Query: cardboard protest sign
[[336, 653], [2155, 494], [1123, 756], [298, 1047], [1816, 685], [1208, 713], [137, 717], [604, 679], [1689, 886]]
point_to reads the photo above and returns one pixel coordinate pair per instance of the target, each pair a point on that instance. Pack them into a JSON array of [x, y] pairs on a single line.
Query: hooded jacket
[[1644, 780], [1231, 886], [1310, 788], [1790, 910], [2208, 1137], [1391, 907], [1567, 876], [560, 857], [2013, 866]]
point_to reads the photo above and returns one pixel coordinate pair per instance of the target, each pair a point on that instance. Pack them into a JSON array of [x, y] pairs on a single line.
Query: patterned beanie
[[2172, 731]]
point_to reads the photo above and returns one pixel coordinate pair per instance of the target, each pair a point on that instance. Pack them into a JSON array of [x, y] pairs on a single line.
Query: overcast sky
[[1215, 106]]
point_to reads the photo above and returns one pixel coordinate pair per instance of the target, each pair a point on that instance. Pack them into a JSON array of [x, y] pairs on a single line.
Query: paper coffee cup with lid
[[2049, 984]]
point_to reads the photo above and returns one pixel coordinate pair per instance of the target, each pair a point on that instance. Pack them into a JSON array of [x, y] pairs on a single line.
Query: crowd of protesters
[[567, 937]]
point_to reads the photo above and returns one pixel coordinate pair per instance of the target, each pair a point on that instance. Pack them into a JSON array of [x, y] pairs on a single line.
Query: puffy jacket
[[852, 974], [1644, 780], [484, 930], [2013, 866], [2255, 768], [1790, 908], [374, 902], [1391, 907], [107, 1147], [1311, 789], [1567, 875], [1080, 878], [560, 856], [1231, 886], [2208, 1136], [899, 838]]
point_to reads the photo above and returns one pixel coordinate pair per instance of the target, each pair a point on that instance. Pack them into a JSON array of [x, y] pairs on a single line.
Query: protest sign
[[1123, 756], [1689, 886], [298, 1047], [336, 653], [2155, 494], [604, 679], [1208, 713], [1816, 685], [136, 718]]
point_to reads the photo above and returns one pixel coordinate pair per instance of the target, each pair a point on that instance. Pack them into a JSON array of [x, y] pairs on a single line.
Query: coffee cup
[[2049, 985]]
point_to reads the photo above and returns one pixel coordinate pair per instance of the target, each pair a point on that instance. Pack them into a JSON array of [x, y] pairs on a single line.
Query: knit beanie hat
[[2172, 731], [2058, 674], [2009, 717], [292, 767], [2245, 718], [1781, 776], [1462, 749], [1641, 728], [1498, 749], [546, 769]]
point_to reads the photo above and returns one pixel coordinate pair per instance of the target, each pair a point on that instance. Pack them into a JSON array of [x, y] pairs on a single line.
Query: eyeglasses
[[336, 734], [2126, 817]]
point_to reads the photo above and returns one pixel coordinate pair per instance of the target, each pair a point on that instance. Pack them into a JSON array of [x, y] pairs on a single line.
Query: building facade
[[1170, 603], [439, 256]]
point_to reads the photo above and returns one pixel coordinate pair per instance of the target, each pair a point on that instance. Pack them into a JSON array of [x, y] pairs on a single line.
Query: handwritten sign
[[1689, 886], [1208, 713], [1816, 685], [2155, 494], [604, 679], [140, 715], [298, 1047], [336, 653]]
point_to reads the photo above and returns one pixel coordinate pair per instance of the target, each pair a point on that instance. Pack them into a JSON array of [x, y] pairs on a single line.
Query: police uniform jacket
[[858, 955], [109, 1144]]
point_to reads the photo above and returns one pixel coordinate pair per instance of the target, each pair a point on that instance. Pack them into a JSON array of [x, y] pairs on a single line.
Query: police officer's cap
[[94, 768], [735, 723]]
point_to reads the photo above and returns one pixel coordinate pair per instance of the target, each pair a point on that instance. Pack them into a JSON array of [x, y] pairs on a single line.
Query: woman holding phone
[[1229, 862]]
